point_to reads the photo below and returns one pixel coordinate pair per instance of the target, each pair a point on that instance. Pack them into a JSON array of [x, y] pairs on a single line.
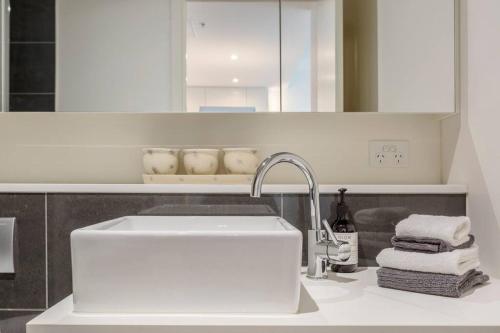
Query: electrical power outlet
[[389, 154]]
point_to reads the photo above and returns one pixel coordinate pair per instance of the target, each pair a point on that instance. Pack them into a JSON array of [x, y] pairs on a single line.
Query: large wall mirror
[[238, 56]]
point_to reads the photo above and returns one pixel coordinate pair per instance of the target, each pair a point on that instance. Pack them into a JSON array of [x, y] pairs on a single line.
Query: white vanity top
[[343, 303], [233, 189]]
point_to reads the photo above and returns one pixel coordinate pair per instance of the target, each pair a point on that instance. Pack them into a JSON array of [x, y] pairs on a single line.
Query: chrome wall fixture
[[7, 245]]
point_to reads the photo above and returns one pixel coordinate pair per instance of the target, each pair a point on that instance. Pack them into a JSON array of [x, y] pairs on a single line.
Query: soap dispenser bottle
[[344, 230]]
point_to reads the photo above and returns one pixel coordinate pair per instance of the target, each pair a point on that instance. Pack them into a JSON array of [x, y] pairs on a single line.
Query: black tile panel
[[32, 68], [32, 20], [26, 289], [31, 102], [242, 204]]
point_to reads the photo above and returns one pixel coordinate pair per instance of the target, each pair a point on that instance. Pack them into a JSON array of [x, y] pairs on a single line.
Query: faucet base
[[321, 253], [316, 278], [317, 260], [319, 270]]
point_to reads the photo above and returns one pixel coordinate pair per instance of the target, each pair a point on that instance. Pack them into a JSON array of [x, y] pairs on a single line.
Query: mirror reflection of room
[[228, 56], [233, 56], [258, 56]]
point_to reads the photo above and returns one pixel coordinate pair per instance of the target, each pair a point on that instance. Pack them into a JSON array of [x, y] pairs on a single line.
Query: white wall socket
[[389, 154]]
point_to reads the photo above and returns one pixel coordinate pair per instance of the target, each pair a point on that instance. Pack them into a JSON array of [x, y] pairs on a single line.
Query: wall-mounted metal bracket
[[7, 245]]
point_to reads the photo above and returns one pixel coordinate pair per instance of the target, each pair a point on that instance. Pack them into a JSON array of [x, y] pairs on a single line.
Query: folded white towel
[[454, 230], [457, 262]]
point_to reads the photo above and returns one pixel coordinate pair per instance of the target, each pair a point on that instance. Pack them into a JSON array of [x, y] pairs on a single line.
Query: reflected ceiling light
[[236, 80], [234, 57]]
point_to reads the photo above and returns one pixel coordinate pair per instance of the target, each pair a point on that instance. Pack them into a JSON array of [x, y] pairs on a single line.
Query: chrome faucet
[[320, 241]]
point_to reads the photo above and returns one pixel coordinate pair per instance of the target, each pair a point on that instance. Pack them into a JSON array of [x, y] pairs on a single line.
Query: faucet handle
[[343, 248], [329, 230]]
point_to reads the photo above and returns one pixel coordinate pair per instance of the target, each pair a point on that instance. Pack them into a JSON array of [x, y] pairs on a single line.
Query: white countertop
[[233, 189], [343, 303]]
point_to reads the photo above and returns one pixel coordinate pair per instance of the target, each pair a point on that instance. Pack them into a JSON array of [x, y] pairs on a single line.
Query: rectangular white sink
[[187, 264]]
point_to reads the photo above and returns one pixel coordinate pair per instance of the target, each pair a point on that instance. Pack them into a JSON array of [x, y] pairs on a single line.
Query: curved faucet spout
[[318, 243], [306, 169]]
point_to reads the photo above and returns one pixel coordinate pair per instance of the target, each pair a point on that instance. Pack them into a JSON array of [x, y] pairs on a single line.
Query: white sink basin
[[185, 264]]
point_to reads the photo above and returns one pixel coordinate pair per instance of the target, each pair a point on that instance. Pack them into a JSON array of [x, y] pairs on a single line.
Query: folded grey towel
[[430, 283], [427, 245]]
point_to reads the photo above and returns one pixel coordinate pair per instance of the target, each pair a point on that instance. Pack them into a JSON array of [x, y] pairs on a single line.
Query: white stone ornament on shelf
[[240, 161], [160, 161]]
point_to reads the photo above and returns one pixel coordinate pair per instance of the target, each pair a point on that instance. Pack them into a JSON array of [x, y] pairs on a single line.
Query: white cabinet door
[[416, 56]]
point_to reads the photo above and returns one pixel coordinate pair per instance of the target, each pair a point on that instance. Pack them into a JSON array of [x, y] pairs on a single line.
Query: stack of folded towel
[[431, 255]]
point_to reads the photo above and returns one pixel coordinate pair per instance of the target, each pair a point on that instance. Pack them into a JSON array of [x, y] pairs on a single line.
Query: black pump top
[[342, 208], [342, 194]]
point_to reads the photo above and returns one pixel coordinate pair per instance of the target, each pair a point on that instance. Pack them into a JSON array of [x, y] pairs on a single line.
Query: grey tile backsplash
[[15, 321], [46, 221], [26, 290]]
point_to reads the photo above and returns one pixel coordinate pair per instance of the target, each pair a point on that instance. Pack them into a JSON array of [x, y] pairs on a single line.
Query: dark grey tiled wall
[[15, 321], [375, 216], [46, 221], [32, 55], [26, 289]]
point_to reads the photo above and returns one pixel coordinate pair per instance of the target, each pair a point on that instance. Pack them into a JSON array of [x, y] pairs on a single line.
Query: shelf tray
[[197, 179]]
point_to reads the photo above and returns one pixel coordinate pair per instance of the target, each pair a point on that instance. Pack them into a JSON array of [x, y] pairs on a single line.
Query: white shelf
[[232, 189]]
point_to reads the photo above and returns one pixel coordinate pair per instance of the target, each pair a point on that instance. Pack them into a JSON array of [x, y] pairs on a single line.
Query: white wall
[[4, 56], [106, 148], [2, 43], [114, 55], [416, 56], [471, 153], [325, 24], [297, 42], [297, 89], [309, 56]]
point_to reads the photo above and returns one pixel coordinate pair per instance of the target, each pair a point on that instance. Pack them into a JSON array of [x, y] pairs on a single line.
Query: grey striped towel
[[430, 283], [427, 245]]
